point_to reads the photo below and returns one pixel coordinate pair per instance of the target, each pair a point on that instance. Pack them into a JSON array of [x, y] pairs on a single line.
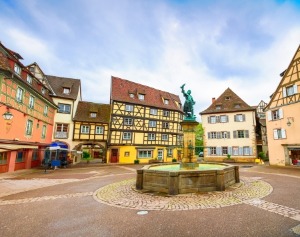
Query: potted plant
[[228, 159], [86, 156], [261, 158], [136, 161], [174, 160]]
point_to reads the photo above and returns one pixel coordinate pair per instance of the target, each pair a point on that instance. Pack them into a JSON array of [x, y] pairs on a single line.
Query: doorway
[[114, 156]]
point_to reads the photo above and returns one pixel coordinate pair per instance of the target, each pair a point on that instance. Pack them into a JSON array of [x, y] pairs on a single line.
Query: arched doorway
[[96, 150]]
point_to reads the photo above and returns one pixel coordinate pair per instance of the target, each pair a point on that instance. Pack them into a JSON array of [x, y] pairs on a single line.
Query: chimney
[[213, 100]]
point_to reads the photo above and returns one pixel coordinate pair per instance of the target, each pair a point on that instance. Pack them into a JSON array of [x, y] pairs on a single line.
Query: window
[[165, 125], [166, 101], [212, 119], [129, 108], [213, 150], [43, 90], [239, 118], [127, 135], [246, 150], [17, 69], [128, 121], [227, 98], [169, 152], [64, 108], [29, 79], [290, 90], [166, 113], [66, 90], [19, 96], [225, 135], [3, 158], [131, 95], [141, 97], [153, 111], [235, 151], [44, 129], [99, 130], [151, 136], [165, 137], [31, 102], [212, 135], [279, 133], [152, 124], [224, 150], [85, 129], [28, 129], [276, 115], [241, 134], [223, 119], [35, 154], [126, 153], [218, 107], [93, 115], [46, 110], [61, 130], [145, 154], [237, 106], [20, 156]]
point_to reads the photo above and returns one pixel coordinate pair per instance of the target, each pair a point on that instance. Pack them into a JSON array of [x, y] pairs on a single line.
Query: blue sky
[[209, 45]]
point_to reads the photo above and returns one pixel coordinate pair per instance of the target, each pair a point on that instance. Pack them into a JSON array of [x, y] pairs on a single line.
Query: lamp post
[[7, 115]]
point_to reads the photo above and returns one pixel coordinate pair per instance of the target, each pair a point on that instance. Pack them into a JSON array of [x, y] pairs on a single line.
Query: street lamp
[[7, 115]]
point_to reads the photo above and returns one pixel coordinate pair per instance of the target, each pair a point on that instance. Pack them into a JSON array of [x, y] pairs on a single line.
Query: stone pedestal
[[189, 137]]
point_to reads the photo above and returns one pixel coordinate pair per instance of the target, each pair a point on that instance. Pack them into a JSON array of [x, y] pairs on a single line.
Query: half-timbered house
[[145, 123], [283, 113]]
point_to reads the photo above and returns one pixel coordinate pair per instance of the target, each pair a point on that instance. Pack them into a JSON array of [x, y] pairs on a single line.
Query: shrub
[[137, 161], [174, 160], [228, 156], [262, 156]]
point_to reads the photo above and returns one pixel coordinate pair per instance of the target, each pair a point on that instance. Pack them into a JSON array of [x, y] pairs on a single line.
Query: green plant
[[262, 156], [136, 161], [86, 156], [228, 156], [174, 160]]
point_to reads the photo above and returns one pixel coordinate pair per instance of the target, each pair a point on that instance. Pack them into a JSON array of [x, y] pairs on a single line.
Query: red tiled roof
[[227, 102], [85, 108], [121, 88]]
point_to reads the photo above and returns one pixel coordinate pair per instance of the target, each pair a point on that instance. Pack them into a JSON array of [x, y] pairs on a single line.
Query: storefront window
[[3, 158], [20, 156]]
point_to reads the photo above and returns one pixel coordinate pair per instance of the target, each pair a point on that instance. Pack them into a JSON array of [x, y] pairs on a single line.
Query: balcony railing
[[61, 135]]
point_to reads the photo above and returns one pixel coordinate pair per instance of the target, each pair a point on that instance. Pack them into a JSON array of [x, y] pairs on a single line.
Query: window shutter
[[208, 119], [240, 151], [246, 133], [219, 151], [228, 134], [217, 119], [283, 133], [234, 134], [251, 151], [284, 91], [269, 115], [230, 150], [275, 134], [208, 135], [280, 111], [295, 89], [244, 117], [227, 119], [234, 118], [218, 135], [208, 150]]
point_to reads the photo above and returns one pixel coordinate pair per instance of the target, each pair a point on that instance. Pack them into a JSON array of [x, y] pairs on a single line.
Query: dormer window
[[141, 97], [227, 98], [29, 79], [93, 115], [131, 95], [43, 90], [17, 69], [218, 107], [237, 106], [166, 101], [66, 90]]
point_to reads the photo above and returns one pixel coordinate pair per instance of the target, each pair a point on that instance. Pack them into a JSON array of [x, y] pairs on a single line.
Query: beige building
[[283, 113], [229, 129]]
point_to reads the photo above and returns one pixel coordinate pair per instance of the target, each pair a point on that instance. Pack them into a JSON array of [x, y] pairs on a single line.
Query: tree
[[199, 138]]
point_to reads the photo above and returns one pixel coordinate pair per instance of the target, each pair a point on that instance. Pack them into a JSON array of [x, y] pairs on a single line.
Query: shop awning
[[58, 145], [12, 147]]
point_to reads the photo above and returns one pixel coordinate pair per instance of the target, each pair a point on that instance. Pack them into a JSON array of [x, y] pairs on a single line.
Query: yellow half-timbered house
[[145, 123], [283, 113], [91, 128]]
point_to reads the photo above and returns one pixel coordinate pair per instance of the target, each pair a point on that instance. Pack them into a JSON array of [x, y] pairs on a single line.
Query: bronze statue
[[188, 107]]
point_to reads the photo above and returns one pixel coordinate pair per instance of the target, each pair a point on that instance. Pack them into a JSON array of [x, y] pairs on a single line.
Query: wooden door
[[114, 156]]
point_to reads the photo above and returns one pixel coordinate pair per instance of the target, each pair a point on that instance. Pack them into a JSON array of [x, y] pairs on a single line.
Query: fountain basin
[[170, 179]]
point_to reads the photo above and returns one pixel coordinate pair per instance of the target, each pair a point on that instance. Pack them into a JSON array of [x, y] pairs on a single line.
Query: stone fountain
[[188, 176]]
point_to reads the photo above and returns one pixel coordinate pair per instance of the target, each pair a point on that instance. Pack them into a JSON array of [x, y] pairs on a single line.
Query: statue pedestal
[[189, 137]]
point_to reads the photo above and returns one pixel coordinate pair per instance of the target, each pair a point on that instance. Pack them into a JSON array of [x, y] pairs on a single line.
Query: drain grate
[[246, 166]]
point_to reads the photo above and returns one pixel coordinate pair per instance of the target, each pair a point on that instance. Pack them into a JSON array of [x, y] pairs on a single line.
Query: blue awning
[[59, 144]]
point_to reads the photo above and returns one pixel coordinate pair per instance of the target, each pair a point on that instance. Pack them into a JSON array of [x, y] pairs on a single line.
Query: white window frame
[[46, 108], [153, 111], [152, 124], [129, 108], [43, 90], [85, 129], [17, 69], [93, 114], [29, 127], [131, 95], [166, 101], [29, 79], [279, 134], [213, 150], [151, 136], [126, 135], [66, 90], [128, 121], [31, 102], [246, 150], [165, 125], [223, 119], [145, 154], [62, 108], [224, 148], [212, 119], [44, 129], [20, 95], [99, 130], [141, 97], [164, 137], [235, 150], [166, 113]]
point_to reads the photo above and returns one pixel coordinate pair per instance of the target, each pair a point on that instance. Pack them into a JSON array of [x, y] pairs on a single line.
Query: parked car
[[201, 154]]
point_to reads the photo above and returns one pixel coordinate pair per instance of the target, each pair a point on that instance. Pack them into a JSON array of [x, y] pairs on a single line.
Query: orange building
[[27, 111]]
